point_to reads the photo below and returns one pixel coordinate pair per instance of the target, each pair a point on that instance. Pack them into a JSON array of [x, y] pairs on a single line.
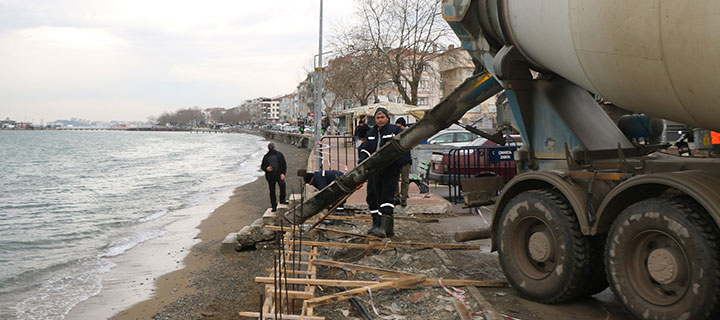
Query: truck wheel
[[542, 251], [662, 258]]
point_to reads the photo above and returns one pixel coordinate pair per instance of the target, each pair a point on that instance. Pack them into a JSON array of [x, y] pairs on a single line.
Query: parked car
[[482, 158], [453, 137]]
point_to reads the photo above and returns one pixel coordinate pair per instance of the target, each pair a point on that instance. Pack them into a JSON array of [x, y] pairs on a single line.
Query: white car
[[453, 137]]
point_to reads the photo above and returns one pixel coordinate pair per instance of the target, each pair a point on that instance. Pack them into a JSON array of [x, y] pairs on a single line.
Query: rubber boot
[[375, 224], [388, 224], [380, 230]]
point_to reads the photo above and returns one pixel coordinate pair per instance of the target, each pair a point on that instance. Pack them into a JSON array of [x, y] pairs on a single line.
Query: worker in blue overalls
[[383, 184], [321, 179]]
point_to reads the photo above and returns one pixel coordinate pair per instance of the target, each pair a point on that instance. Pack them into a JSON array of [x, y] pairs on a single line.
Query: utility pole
[[318, 97]]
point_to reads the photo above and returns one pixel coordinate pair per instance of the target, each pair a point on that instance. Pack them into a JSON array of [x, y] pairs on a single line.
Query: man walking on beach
[[274, 165]]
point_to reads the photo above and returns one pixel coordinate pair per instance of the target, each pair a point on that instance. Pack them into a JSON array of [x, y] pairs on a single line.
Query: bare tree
[[216, 115], [182, 118], [407, 34], [359, 69]]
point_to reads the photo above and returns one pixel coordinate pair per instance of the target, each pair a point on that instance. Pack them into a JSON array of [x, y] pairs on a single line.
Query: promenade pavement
[[340, 154]]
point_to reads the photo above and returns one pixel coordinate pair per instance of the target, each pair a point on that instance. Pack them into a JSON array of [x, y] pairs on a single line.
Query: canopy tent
[[395, 109]]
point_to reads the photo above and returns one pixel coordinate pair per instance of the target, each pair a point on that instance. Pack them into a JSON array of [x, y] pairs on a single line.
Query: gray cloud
[[127, 60]]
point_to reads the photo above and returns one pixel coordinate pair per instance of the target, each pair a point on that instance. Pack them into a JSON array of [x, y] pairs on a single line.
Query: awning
[[395, 109]]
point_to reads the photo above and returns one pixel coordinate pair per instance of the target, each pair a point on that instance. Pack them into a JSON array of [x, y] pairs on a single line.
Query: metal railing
[[478, 161], [337, 153]]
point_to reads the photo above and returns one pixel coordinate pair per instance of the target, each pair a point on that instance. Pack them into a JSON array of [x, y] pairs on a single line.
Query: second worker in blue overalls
[[383, 184]]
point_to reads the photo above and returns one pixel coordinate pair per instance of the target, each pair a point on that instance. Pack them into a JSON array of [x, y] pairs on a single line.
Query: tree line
[[194, 117]]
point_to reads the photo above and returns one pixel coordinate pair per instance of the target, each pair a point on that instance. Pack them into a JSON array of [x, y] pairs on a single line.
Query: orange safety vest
[[715, 137]]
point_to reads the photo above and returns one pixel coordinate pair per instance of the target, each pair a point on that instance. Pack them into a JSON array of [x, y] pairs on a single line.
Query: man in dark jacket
[[384, 183], [320, 179], [361, 131], [274, 165], [401, 194]]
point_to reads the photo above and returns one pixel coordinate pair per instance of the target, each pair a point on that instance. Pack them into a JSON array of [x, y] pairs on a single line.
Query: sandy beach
[[206, 283]]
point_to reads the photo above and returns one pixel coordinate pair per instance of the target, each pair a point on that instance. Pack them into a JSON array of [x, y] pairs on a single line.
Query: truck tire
[[542, 251], [663, 260]]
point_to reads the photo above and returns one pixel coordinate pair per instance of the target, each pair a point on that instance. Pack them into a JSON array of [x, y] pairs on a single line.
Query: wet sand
[[206, 283]]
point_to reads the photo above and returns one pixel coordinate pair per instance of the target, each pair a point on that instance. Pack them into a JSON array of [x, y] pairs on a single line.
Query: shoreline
[[203, 282], [130, 282]]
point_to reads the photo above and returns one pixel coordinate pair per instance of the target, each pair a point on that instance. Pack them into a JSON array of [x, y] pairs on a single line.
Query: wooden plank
[[343, 245], [301, 295], [462, 310], [381, 245], [345, 295], [491, 313], [425, 245], [300, 272], [359, 267], [435, 282], [357, 283], [346, 233], [296, 253], [268, 301], [289, 262], [319, 282], [282, 316], [354, 218], [369, 218]]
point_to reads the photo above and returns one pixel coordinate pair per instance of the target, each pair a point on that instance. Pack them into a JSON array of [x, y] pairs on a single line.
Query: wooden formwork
[[290, 287]]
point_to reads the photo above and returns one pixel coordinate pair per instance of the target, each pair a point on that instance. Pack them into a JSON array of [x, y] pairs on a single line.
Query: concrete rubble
[[248, 236]]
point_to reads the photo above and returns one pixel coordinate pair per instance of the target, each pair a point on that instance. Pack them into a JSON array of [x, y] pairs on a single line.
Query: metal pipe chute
[[469, 94]]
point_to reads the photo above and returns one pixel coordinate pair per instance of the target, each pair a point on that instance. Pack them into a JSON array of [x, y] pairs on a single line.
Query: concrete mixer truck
[[591, 208]]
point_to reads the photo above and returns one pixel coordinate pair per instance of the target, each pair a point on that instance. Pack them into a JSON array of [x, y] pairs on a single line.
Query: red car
[[473, 161]]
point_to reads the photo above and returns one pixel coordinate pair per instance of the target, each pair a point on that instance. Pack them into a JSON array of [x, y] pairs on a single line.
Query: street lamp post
[[318, 98]]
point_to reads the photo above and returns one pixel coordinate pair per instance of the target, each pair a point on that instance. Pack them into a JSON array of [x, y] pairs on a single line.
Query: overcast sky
[[130, 59]]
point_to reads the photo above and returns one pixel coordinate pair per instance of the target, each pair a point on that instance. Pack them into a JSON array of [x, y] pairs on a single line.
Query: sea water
[[71, 201]]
